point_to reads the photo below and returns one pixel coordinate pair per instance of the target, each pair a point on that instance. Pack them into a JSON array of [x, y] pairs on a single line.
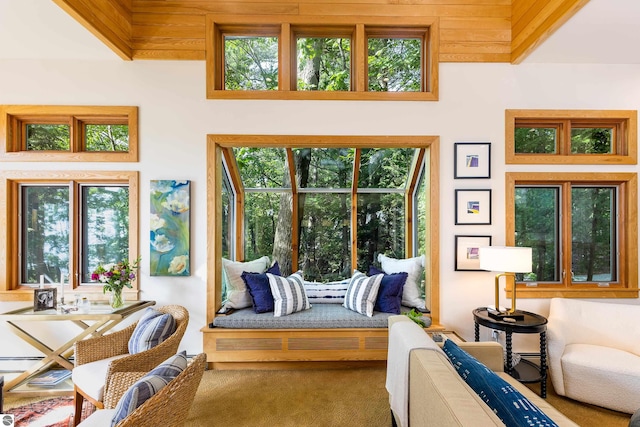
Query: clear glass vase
[[116, 299]]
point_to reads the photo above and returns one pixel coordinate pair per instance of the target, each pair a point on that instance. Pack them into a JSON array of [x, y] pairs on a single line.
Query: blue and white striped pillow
[[362, 293], [288, 294], [149, 385], [152, 328], [172, 367], [141, 391], [326, 293]]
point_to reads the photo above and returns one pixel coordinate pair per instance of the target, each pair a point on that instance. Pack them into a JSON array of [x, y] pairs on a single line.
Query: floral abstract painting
[[169, 224]]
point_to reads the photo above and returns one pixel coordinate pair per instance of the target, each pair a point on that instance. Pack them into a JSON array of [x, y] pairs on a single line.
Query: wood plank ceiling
[[470, 30]]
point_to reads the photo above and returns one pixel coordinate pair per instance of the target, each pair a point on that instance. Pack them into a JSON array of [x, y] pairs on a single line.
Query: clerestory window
[[68, 133], [571, 136], [351, 57]]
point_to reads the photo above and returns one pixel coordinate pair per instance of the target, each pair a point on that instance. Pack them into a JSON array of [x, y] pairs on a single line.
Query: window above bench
[[323, 204], [339, 58]]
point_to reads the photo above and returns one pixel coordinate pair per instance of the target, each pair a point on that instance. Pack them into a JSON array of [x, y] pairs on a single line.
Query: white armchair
[[594, 352]]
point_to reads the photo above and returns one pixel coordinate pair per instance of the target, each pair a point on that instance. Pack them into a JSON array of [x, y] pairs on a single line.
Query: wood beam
[[109, 20], [532, 22]]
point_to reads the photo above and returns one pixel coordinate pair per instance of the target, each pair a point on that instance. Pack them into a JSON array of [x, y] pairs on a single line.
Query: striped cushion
[[152, 328], [326, 293], [288, 294], [141, 391], [172, 367], [362, 293]]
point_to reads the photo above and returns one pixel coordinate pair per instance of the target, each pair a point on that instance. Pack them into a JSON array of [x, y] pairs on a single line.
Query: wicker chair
[[126, 368], [168, 408]]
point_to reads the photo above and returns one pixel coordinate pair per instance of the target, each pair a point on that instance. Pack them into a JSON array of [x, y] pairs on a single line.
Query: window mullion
[[566, 235], [76, 216], [564, 145]]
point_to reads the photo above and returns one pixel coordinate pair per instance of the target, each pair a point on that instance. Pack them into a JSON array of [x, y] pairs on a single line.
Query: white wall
[[175, 118]]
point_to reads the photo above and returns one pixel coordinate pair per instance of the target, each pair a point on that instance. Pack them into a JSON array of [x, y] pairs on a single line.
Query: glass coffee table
[[95, 322]]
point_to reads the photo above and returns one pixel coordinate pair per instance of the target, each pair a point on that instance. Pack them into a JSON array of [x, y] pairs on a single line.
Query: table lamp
[[508, 260]]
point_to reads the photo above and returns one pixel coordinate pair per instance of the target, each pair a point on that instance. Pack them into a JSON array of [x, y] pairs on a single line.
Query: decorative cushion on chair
[[152, 328], [150, 384], [137, 394], [362, 293], [172, 367]]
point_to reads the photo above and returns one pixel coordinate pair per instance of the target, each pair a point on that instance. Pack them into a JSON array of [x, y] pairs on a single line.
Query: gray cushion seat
[[319, 316]]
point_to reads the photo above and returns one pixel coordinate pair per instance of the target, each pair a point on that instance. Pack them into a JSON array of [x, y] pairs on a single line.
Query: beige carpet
[[331, 398], [583, 414]]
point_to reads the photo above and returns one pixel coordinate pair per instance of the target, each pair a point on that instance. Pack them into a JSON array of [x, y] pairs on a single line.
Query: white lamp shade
[[511, 259]]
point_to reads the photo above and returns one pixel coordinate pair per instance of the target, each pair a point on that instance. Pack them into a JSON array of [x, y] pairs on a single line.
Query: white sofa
[[594, 352], [437, 396]]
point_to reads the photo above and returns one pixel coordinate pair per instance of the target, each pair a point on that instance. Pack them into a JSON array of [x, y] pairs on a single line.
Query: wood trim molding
[[532, 22], [109, 20]]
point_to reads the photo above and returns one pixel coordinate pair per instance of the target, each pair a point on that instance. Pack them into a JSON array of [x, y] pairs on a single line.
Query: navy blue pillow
[[508, 403], [389, 299], [274, 269], [259, 289]]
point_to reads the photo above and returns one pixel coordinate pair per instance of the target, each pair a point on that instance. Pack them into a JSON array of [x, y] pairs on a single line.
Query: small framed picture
[[472, 160], [467, 248], [473, 207], [44, 299]]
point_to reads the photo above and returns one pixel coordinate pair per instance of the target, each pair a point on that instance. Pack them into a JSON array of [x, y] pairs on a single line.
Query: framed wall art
[[473, 207], [472, 160], [170, 228], [467, 248]]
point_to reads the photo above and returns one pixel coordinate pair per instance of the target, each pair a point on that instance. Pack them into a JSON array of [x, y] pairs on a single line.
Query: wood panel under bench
[[284, 348]]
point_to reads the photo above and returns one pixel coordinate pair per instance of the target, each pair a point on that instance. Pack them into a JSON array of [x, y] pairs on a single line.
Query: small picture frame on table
[[473, 207], [44, 299], [472, 160], [467, 249]]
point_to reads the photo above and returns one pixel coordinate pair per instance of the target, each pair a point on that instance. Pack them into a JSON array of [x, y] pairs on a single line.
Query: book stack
[[50, 378]]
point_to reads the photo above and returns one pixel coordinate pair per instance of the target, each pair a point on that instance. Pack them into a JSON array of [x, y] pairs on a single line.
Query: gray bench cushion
[[320, 316]]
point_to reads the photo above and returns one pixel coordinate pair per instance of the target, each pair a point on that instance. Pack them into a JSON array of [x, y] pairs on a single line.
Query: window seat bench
[[327, 335]]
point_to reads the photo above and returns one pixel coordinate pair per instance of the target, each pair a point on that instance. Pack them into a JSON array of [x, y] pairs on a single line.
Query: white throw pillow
[[238, 295], [362, 293], [326, 293], [414, 268], [288, 294]]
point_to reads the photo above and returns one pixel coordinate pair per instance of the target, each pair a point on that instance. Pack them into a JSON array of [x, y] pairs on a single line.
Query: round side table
[[525, 371]]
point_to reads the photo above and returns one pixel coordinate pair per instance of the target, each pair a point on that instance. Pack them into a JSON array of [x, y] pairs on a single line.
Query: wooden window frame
[[288, 27], [15, 118], [623, 122], [218, 145], [10, 181], [627, 242]]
